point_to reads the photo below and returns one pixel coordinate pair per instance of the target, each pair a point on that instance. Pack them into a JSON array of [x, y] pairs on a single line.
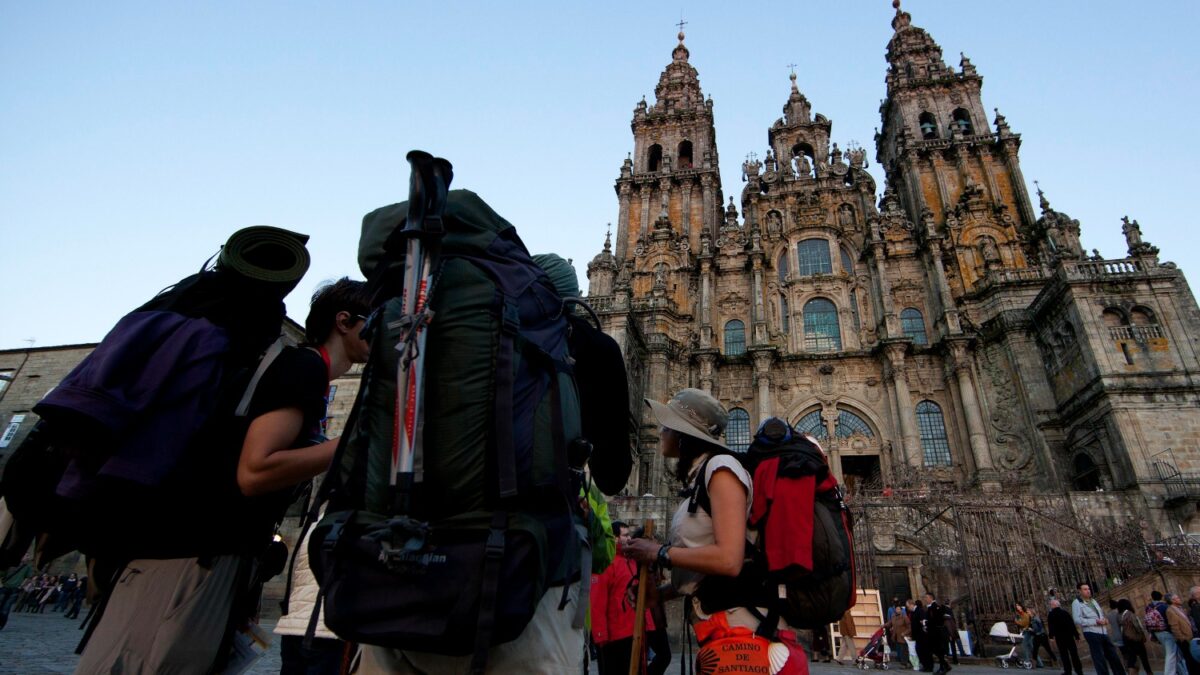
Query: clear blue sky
[[135, 137]]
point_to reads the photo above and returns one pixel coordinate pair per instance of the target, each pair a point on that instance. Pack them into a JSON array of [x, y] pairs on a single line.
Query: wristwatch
[[664, 556]]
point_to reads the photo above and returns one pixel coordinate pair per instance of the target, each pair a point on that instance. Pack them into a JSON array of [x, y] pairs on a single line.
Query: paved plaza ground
[[44, 644]]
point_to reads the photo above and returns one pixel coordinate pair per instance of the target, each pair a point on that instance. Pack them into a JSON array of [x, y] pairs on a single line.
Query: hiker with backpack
[[1135, 635], [147, 625], [454, 537], [1155, 620], [727, 566]]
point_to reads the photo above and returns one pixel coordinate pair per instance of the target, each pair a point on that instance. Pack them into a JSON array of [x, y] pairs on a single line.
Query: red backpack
[[805, 542]]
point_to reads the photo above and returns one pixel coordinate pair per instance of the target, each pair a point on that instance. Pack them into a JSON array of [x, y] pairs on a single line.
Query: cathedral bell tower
[[958, 179], [670, 194]]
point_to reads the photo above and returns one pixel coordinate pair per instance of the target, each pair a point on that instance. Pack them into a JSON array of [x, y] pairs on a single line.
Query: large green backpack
[[491, 522]]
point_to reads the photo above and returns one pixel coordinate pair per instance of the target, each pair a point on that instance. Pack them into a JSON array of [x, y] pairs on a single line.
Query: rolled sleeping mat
[[270, 258]]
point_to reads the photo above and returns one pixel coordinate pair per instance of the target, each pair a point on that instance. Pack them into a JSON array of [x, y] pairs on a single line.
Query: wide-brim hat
[[695, 413]]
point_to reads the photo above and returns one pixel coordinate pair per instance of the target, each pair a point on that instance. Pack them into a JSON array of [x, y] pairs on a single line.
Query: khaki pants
[[547, 646], [165, 617]]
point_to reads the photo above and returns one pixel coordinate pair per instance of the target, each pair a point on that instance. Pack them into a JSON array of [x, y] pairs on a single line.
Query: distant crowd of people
[[24, 589], [1116, 634], [931, 626]]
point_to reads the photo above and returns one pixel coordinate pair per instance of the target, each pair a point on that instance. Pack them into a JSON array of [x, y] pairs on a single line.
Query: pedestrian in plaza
[[81, 591], [954, 640], [822, 651], [935, 628], [899, 630], [49, 594], [920, 635], [28, 593], [1024, 621], [1160, 630], [1114, 626], [171, 615], [847, 650], [1193, 652], [1091, 620], [1134, 633], [891, 610], [66, 591], [613, 599], [1062, 628], [1040, 639], [10, 587], [1181, 630]]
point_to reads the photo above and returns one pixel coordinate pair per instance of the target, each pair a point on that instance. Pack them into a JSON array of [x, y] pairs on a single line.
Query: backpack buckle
[[510, 318], [495, 543]]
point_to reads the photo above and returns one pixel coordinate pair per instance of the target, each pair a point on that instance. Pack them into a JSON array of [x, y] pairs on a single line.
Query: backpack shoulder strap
[[265, 362]]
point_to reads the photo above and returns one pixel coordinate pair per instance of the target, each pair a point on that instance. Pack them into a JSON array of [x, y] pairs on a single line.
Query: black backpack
[[813, 595]]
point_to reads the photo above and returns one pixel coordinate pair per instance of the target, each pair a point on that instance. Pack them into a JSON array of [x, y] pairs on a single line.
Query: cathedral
[[944, 335]]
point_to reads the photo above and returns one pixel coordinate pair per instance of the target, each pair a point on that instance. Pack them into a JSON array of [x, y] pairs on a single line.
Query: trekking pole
[[636, 658], [429, 183]]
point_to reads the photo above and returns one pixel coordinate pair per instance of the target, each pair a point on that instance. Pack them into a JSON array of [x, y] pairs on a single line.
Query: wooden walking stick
[[639, 617]]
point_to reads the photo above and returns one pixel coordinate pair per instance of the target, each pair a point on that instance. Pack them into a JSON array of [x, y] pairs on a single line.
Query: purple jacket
[[152, 383]]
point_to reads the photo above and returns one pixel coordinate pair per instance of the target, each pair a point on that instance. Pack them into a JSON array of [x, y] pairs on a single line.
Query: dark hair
[[1125, 605], [690, 448], [616, 527], [1156, 596], [1080, 585], [1112, 604], [342, 295]]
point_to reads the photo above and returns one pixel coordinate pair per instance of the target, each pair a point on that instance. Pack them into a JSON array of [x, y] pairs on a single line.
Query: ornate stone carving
[[1005, 422]]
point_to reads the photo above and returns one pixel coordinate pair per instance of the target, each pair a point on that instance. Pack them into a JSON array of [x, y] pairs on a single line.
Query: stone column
[[706, 304], [961, 362], [709, 206], [626, 191], [760, 313], [645, 224], [910, 439], [1017, 178], [706, 372], [890, 321], [762, 372], [687, 208], [949, 311]]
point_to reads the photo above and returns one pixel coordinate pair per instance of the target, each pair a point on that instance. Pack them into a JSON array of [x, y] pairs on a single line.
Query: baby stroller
[[1000, 636], [875, 653]]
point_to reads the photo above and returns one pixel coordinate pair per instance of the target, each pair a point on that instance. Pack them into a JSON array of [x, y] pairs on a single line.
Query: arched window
[[1112, 317], [735, 338], [685, 155], [785, 315], [737, 432], [854, 309], [1087, 474], [962, 120], [847, 262], [821, 331], [849, 424], [928, 124], [782, 266], [934, 444], [813, 257], [913, 325], [1141, 316], [813, 425], [654, 161]]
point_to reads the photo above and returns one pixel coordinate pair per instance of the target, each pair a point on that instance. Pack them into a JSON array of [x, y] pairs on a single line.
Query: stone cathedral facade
[[942, 331]]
